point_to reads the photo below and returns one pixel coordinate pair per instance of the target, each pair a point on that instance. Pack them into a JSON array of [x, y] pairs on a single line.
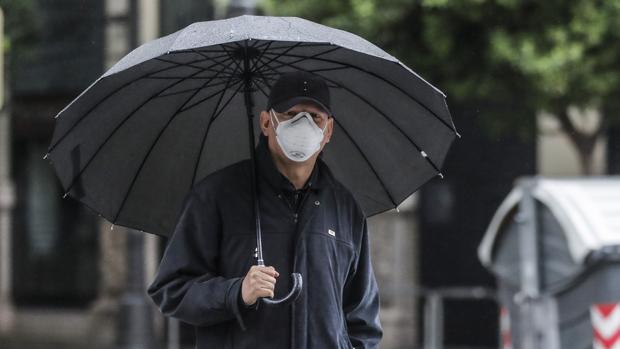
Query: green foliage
[[505, 59], [20, 23], [574, 58]]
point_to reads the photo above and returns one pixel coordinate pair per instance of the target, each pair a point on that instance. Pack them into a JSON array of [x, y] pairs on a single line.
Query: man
[[310, 223]]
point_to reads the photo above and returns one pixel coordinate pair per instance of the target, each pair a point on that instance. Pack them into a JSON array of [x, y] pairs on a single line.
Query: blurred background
[[534, 90]]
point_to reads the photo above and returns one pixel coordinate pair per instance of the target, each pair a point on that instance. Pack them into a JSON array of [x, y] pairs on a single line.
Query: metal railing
[[434, 315]]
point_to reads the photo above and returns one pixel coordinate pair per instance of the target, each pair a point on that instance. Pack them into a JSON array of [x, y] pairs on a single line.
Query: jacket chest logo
[[331, 232]]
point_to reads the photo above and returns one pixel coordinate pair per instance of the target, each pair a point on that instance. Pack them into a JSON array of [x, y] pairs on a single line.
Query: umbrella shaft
[[248, 106]]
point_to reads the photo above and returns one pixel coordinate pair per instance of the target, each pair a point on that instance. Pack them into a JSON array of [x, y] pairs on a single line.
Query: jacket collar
[[268, 170]]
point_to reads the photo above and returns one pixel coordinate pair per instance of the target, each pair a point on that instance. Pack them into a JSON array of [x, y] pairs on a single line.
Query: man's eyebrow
[[307, 111]]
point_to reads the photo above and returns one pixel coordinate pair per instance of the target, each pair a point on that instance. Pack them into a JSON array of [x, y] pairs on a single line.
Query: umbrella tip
[[65, 195], [46, 155], [112, 227], [440, 175], [397, 209], [457, 134], [423, 153]]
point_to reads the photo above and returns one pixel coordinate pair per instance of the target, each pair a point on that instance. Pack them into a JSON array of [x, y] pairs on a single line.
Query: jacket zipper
[[297, 241]]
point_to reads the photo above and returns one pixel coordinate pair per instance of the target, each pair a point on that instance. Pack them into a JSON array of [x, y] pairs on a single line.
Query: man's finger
[[265, 292], [264, 284], [261, 274], [257, 281], [266, 277], [270, 271]]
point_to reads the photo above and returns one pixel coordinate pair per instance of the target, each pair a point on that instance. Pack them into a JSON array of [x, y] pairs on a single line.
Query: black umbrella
[[175, 110]]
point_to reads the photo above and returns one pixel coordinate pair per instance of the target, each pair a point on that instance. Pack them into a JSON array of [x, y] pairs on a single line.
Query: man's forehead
[[307, 106]]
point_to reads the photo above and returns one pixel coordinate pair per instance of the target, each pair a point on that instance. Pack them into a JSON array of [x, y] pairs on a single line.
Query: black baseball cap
[[296, 87]]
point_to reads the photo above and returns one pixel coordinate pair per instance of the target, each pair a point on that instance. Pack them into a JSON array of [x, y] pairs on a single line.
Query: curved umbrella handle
[[291, 296]]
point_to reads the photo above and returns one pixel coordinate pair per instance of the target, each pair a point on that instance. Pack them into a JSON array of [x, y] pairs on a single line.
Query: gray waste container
[[554, 247]]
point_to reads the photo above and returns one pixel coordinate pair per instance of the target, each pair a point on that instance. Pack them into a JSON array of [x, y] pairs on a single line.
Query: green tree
[[20, 24], [506, 59]]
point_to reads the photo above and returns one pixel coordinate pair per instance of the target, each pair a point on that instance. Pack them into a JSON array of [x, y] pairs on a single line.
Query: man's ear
[[330, 129], [264, 122]]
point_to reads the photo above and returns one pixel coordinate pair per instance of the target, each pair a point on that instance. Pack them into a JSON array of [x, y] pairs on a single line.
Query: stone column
[[7, 201], [151, 263], [394, 248], [112, 277]]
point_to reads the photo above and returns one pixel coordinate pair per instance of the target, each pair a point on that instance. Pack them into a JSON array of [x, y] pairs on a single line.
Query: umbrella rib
[[190, 65], [231, 76], [234, 73], [228, 101], [118, 126], [382, 79], [270, 76], [383, 184], [276, 57], [190, 89], [152, 146], [255, 81], [230, 56], [53, 146], [373, 199], [221, 64], [205, 98], [262, 44], [204, 137], [256, 44], [257, 59], [428, 159], [274, 69], [179, 77], [261, 75], [319, 70]]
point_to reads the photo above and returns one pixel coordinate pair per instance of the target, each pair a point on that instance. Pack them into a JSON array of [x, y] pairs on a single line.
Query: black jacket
[[213, 245]]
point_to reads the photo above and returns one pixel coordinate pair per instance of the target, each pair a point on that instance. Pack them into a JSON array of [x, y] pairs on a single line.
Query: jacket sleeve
[[361, 299], [187, 285]]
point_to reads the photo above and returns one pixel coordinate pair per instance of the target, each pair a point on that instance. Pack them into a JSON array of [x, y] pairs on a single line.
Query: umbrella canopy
[[173, 111]]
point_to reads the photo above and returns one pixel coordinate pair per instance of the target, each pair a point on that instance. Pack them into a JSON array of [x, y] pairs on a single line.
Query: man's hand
[[260, 281]]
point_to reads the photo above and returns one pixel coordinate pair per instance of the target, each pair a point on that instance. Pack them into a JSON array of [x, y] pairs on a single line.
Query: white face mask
[[299, 137]]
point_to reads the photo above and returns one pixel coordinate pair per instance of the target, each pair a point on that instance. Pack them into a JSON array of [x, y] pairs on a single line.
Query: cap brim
[[289, 103]]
